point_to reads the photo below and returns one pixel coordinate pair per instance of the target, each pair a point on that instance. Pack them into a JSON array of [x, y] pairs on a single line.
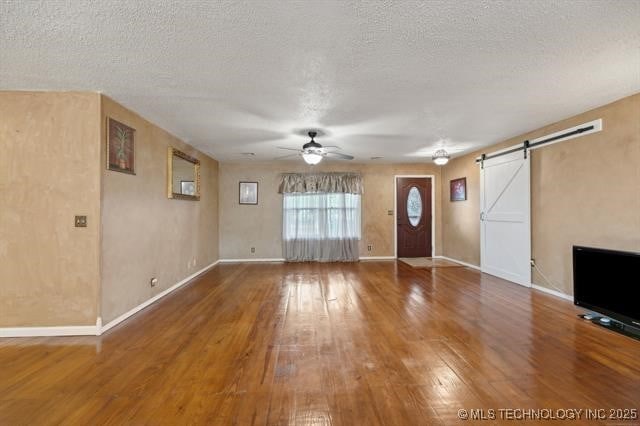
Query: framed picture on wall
[[120, 147], [248, 192], [458, 189]]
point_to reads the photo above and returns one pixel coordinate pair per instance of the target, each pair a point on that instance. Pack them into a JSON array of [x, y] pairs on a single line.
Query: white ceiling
[[381, 78]]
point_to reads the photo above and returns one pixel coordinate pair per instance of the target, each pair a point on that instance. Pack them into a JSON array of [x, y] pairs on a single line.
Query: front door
[[413, 216]]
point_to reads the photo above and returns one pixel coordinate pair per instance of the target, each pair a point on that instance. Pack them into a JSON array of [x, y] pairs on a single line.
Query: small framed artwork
[[187, 187], [458, 188], [120, 147], [248, 192]]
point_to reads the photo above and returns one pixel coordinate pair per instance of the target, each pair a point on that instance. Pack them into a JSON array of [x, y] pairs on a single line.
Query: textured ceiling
[[381, 78]]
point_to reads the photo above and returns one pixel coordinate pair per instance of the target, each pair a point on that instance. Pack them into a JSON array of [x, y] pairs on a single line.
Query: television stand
[[613, 325]]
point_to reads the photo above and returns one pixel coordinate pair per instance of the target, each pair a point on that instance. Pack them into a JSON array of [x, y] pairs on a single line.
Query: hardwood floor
[[312, 344]]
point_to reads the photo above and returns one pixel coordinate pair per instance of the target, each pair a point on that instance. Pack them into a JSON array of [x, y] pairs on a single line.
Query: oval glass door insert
[[414, 206]]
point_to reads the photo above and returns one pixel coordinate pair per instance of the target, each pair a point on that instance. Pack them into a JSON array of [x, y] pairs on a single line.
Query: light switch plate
[[81, 221]]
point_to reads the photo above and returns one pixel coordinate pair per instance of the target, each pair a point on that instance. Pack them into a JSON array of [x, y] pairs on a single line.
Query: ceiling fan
[[312, 152]]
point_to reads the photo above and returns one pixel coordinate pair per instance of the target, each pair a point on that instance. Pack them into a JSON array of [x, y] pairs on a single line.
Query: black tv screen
[[608, 282]]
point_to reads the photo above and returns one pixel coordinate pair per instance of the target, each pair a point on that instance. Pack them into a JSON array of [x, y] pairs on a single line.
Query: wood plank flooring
[[369, 343]]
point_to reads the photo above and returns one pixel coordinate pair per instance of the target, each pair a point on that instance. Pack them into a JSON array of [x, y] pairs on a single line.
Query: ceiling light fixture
[[313, 153], [311, 158], [440, 157]]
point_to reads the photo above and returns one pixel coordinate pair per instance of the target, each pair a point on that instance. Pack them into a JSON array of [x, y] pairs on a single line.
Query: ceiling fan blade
[[286, 156], [339, 155], [331, 146], [289, 149]]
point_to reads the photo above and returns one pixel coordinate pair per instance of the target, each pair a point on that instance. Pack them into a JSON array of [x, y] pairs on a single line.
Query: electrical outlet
[[369, 247], [81, 221], [390, 212], [153, 282], [253, 249]]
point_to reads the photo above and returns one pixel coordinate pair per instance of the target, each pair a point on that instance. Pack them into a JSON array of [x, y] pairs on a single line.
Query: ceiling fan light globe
[[440, 157], [311, 158], [441, 161]]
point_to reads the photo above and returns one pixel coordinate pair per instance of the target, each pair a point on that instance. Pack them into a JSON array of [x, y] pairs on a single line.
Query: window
[[314, 216], [414, 206]]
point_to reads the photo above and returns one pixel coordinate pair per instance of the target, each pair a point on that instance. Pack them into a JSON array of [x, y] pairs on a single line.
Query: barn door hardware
[[593, 126]]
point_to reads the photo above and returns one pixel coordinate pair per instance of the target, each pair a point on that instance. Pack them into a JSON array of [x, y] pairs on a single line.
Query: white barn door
[[505, 218]]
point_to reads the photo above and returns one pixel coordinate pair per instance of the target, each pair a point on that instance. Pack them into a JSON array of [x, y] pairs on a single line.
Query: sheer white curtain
[[323, 227]]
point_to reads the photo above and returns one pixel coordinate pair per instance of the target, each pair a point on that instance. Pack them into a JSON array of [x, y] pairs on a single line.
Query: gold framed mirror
[[183, 176]]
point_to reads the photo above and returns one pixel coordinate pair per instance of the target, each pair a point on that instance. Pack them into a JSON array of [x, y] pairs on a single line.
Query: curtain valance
[[348, 183]]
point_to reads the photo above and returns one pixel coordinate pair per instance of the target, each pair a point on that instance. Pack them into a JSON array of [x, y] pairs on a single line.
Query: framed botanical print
[[120, 147], [248, 192], [458, 189]]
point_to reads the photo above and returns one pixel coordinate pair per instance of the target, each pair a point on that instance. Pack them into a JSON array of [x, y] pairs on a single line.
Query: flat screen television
[[608, 282]]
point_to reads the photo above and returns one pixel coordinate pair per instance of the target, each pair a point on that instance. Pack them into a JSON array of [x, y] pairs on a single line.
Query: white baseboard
[[65, 330], [469, 265], [552, 292], [97, 329], [155, 298], [533, 286], [377, 258], [252, 259]]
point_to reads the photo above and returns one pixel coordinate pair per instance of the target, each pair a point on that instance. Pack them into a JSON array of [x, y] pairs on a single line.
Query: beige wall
[[145, 234], [583, 191], [49, 172], [246, 226]]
